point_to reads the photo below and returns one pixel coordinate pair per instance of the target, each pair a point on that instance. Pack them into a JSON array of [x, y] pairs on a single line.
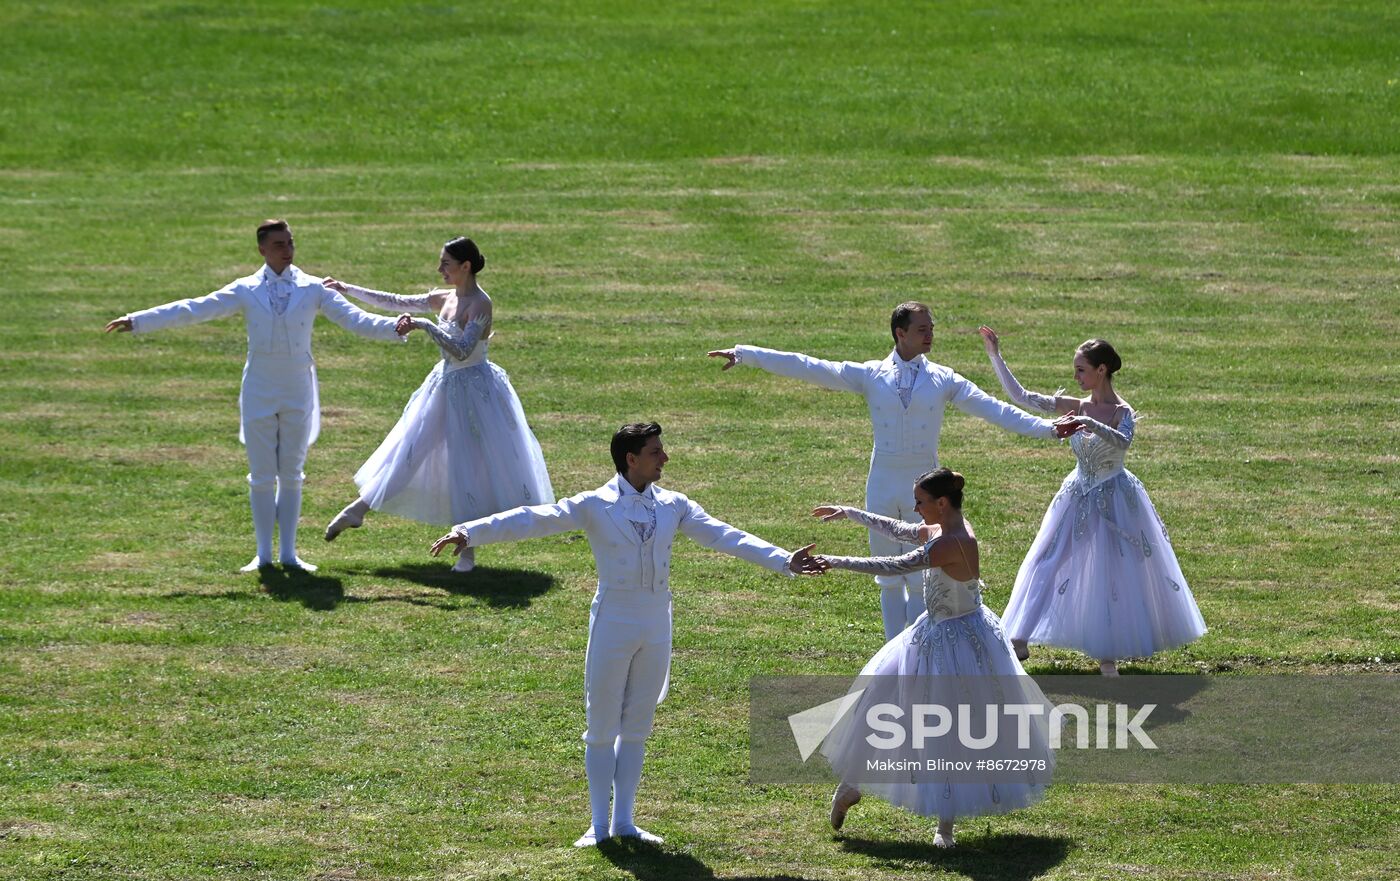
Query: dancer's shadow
[[500, 588], [649, 862], [997, 857], [320, 593]]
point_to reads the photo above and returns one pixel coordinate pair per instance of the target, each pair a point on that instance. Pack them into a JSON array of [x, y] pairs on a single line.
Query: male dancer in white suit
[[630, 522], [906, 394], [279, 405]]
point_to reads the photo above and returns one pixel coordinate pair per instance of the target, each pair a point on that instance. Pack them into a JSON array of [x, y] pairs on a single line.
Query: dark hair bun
[[464, 250], [957, 480], [1100, 354]]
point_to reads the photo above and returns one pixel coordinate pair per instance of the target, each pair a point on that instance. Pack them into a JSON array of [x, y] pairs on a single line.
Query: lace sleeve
[[385, 300], [895, 529], [1018, 395], [913, 561], [458, 344], [1119, 437]]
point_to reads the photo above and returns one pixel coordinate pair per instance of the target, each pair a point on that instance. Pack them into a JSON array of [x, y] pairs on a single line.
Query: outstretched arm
[[914, 561], [356, 320], [459, 343], [720, 536], [1120, 437], [968, 398], [180, 313], [529, 521], [899, 530], [1018, 395], [841, 376], [429, 302]]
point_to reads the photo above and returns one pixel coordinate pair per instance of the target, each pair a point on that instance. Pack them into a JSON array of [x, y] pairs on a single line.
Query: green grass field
[[1213, 187]]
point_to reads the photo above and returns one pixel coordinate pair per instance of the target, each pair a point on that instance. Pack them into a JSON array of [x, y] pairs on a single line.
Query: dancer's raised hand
[[337, 286], [990, 341], [120, 325], [405, 325], [728, 354], [460, 539], [829, 513], [804, 562]]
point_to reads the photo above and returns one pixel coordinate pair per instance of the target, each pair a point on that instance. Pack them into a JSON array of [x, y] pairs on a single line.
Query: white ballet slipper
[[351, 517], [588, 839], [638, 832], [255, 564], [841, 801], [943, 841], [299, 563], [466, 561], [1108, 668]]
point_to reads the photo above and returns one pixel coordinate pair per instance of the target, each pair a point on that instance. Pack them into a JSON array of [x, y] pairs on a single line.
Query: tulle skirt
[[1101, 577], [964, 660], [461, 450]]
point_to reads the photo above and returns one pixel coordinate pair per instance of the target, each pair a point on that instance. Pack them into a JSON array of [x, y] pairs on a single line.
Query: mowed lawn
[[1214, 188]]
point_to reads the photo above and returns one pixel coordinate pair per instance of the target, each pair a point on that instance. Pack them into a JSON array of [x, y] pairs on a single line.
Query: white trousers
[[627, 664], [280, 417], [889, 490]]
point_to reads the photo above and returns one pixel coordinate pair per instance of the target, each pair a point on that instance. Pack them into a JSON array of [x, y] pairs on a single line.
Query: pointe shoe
[[299, 563], [1022, 650], [841, 801], [638, 832], [1108, 668], [255, 564], [943, 841], [588, 839], [349, 518], [466, 561]]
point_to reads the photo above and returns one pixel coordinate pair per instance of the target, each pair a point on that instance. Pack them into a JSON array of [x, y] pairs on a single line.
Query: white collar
[[288, 275], [625, 488], [917, 362]]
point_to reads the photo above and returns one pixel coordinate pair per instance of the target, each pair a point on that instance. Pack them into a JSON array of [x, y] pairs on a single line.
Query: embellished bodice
[[462, 346], [1100, 454], [946, 597]]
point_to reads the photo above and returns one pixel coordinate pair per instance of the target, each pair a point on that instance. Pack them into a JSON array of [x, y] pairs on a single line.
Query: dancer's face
[[918, 336], [278, 249], [645, 466], [927, 506], [1087, 375], [451, 270]]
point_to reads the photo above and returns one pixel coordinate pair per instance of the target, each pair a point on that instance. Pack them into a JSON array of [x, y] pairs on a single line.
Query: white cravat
[[640, 511], [908, 373], [279, 288]]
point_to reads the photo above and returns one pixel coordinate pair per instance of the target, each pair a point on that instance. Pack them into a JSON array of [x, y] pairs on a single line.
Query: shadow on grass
[[997, 857], [320, 593], [499, 588], [502, 588], [649, 862]]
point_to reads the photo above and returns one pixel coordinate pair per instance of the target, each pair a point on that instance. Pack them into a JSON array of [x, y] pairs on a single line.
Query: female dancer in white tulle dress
[[1101, 576], [939, 659], [462, 449]]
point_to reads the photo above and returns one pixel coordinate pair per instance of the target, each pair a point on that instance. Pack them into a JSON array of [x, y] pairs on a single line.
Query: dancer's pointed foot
[[352, 516], [1108, 668], [466, 561], [255, 564], [841, 801], [1023, 651], [298, 563], [637, 832], [589, 838]]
